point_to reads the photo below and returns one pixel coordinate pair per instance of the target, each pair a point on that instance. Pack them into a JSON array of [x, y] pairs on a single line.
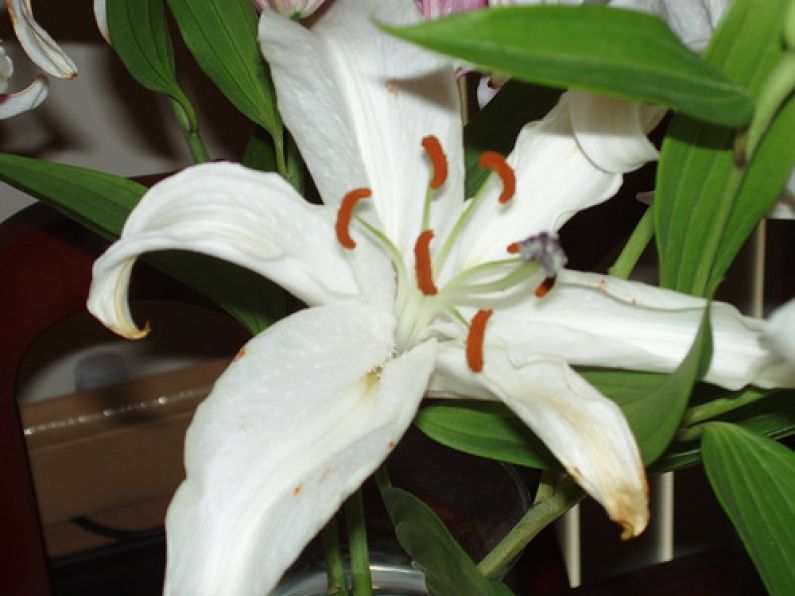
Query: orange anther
[[422, 263], [438, 159], [513, 248], [544, 287], [345, 214], [496, 163], [477, 333]]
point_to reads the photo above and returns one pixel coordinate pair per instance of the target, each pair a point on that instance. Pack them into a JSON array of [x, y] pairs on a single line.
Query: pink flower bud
[[432, 9]]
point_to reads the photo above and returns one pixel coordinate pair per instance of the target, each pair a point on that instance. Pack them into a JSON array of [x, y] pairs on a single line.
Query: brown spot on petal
[[240, 354], [391, 86], [326, 474], [602, 285], [390, 445], [297, 490]]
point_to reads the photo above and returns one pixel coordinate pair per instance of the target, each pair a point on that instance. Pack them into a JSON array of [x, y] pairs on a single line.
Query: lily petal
[[554, 180], [29, 98], [612, 132], [293, 427], [37, 43], [780, 331], [596, 320], [249, 218], [101, 16], [586, 431], [359, 101]]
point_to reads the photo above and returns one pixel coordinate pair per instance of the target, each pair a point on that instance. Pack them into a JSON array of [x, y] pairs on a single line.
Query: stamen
[[545, 286], [477, 333], [345, 214], [433, 148], [497, 164], [422, 263]]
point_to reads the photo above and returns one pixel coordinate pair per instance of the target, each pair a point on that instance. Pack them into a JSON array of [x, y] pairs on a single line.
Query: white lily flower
[[415, 291], [37, 43], [12, 104]]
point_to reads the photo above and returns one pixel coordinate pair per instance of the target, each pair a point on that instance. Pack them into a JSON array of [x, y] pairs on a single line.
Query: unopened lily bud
[[432, 9], [296, 9]]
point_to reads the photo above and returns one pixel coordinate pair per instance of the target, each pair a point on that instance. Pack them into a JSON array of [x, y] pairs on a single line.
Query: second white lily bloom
[[410, 289]]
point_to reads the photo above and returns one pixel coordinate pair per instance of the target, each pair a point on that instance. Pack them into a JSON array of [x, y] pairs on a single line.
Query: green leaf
[[140, 37], [617, 52], [260, 153], [447, 568], [697, 179], [773, 416], [102, 202], [485, 429], [764, 180], [754, 480], [222, 36], [495, 128]]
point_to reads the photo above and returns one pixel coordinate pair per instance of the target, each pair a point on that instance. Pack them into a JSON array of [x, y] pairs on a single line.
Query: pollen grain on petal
[[433, 148], [477, 334], [422, 263], [345, 214], [514, 248], [497, 164]]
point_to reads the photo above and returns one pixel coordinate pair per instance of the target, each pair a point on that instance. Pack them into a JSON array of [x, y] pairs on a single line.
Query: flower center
[[419, 300]]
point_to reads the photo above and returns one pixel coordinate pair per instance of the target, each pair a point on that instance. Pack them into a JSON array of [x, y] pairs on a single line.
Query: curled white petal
[[554, 180], [311, 407], [780, 331], [596, 320], [249, 218], [612, 132], [12, 104], [586, 431], [359, 101], [101, 16], [37, 43]]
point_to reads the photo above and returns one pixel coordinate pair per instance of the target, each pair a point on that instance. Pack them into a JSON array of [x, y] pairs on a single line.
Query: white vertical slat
[[569, 536], [662, 491], [757, 306]]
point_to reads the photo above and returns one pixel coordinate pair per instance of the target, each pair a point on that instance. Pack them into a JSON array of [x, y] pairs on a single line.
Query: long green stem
[[335, 568], [357, 544], [634, 247], [540, 515], [190, 130]]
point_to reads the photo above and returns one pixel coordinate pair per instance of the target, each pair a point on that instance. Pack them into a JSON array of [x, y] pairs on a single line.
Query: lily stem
[[566, 495], [357, 544], [186, 118], [335, 568], [634, 247]]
